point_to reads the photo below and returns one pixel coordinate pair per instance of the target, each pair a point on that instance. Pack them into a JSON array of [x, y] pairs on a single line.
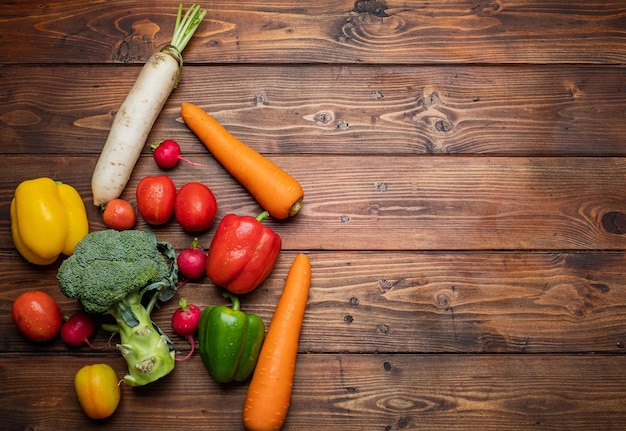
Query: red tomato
[[155, 199], [195, 207], [37, 315], [119, 214]]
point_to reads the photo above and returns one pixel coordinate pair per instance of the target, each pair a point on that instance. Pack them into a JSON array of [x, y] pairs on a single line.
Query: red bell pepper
[[242, 253]]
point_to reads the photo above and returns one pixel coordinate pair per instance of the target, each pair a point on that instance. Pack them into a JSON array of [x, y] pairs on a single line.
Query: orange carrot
[[274, 189], [269, 393]]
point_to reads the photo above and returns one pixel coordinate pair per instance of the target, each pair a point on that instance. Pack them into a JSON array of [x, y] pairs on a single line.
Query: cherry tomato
[[98, 390], [37, 315], [119, 214], [195, 207], [155, 199]]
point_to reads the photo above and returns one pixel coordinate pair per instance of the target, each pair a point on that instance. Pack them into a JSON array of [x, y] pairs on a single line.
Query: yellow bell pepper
[[98, 391], [47, 218], [76, 217]]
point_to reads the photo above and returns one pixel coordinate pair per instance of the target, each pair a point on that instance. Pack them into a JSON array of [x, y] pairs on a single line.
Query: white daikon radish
[[135, 118]]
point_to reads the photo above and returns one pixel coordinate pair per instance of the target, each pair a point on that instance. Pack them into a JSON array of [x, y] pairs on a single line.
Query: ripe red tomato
[[195, 207], [119, 214], [37, 315], [155, 199]]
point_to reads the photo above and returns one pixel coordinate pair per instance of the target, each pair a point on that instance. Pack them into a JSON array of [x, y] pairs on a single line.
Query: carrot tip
[[295, 208]]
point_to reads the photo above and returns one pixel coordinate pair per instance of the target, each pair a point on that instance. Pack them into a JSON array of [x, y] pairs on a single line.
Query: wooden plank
[[463, 164], [443, 302], [340, 32], [342, 391], [333, 109], [399, 203]]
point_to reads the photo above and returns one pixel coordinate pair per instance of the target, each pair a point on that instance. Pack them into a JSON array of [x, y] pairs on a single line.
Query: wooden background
[[464, 167]]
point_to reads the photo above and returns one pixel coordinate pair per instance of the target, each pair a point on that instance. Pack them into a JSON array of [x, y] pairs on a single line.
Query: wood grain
[[464, 169], [424, 302], [344, 391], [338, 32], [399, 203], [500, 110]]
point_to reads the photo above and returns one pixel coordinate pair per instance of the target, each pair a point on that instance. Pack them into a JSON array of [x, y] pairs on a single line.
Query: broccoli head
[[108, 265], [117, 272]]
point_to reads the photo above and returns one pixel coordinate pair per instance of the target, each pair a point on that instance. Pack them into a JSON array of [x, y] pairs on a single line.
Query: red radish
[[185, 322], [167, 154], [192, 261], [77, 329]]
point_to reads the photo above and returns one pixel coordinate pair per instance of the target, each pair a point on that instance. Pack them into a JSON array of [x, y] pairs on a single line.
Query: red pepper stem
[[261, 217], [233, 299]]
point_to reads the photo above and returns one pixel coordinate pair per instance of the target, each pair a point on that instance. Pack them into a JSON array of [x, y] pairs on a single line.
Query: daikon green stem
[[187, 26]]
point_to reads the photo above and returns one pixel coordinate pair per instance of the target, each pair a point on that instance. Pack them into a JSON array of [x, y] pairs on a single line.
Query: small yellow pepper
[[98, 390], [47, 218]]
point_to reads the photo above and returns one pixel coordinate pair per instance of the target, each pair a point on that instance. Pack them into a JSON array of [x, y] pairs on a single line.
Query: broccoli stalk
[[115, 273], [148, 352]]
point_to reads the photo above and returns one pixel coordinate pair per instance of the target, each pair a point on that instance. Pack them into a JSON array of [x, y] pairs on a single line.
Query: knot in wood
[[614, 222], [429, 100], [442, 300], [372, 7], [442, 125], [324, 118], [261, 99], [385, 285], [486, 8], [138, 45]]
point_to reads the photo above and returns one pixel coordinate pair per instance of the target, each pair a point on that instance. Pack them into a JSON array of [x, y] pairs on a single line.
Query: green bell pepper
[[230, 341]]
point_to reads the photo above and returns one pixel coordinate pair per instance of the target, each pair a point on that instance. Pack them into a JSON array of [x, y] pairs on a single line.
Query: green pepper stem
[[261, 217], [233, 299]]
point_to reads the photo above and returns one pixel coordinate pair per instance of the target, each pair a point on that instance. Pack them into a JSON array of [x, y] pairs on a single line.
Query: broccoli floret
[[116, 272]]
